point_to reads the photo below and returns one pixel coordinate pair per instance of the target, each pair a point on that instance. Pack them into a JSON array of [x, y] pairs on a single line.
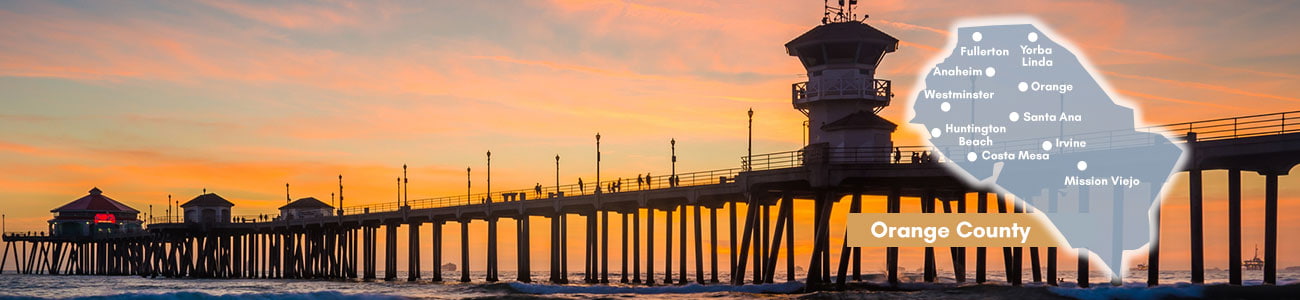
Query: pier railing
[[1215, 129], [1237, 127]]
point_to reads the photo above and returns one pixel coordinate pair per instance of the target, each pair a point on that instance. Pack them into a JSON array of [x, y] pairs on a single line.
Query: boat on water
[[449, 267]]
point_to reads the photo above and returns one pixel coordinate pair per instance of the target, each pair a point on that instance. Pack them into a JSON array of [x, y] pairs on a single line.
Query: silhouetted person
[[648, 182], [916, 158], [581, 189], [898, 155], [618, 187], [639, 181], [538, 189], [925, 156]]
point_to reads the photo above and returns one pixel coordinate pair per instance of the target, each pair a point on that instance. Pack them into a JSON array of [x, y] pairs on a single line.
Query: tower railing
[[878, 89]]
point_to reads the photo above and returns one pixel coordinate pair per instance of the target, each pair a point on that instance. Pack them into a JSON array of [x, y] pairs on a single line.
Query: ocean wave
[[324, 295], [780, 288], [1132, 291]]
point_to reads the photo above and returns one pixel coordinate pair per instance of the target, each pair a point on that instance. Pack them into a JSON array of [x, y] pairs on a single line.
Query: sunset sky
[[144, 99]]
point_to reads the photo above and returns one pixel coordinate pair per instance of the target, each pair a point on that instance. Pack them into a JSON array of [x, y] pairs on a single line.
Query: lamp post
[[672, 180], [406, 191], [597, 168], [468, 196], [557, 173], [749, 157], [604, 219], [340, 194], [489, 177]]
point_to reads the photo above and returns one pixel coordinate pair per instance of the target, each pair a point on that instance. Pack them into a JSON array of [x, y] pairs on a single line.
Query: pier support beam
[[732, 212], [927, 206], [1234, 226], [650, 247], [464, 251], [371, 239], [699, 246], [1083, 268], [555, 249], [589, 251], [1196, 213], [763, 243], [413, 253], [681, 276], [623, 270], [668, 247], [846, 252], [1270, 229], [636, 245], [492, 249], [713, 239], [1010, 261], [783, 223], [525, 260], [390, 254], [893, 204], [1153, 254], [564, 248], [437, 250], [604, 246]]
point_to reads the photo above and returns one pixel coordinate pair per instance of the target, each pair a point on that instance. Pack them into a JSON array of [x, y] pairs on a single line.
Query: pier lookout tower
[[842, 95]]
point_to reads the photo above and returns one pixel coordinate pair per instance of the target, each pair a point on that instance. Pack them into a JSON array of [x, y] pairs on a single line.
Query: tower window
[[841, 52], [811, 55]]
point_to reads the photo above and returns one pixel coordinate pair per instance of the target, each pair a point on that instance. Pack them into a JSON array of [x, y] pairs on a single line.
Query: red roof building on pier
[[94, 215]]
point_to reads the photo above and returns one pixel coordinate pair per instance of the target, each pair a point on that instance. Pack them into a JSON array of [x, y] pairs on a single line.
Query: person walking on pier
[[538, 190], [648, 182], [582, 189], [639, 181], [898, 155], [916, 158]]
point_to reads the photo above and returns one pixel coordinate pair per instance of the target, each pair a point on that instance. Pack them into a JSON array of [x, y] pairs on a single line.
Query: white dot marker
[[945, 106], [971, 156], [1033, 36], [1014, 116], [1023, 86], [977, 36], [935, 132], [1047, 146], [1083, 165], [990, 71]]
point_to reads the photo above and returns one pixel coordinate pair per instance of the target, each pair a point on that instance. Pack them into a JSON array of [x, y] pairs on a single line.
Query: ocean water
[[134, 287]]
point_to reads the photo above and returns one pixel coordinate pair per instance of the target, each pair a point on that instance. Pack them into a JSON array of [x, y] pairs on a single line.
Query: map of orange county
[[1015, 111]]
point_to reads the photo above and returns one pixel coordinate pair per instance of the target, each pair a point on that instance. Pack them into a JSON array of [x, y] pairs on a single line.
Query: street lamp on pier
[[749, 157], [557, 174], [597, 168], [468, 195], [672, 179]]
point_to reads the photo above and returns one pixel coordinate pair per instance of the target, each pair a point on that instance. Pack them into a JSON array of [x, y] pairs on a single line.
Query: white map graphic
[[1017, 111]]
